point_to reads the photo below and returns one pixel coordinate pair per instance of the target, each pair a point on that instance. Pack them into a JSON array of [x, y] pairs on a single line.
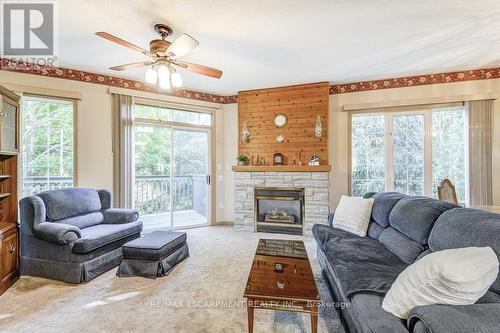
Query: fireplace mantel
[[283, 168]]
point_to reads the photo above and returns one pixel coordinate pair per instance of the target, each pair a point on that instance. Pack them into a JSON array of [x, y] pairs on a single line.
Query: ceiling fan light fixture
[[151, 76], [164, 77], [176, 80]]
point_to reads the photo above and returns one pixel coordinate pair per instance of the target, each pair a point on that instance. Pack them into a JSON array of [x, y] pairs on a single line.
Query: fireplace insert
[[279, 210]]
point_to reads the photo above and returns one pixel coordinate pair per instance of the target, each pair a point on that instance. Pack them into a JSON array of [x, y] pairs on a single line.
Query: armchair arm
[[477, 318], [58, 233], [120, 215]]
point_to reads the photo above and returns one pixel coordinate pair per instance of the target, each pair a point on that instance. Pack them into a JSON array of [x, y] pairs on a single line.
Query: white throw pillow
[[353, 215], [454, 277]]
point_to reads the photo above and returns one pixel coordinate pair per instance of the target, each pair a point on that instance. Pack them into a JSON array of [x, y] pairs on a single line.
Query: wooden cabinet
[[9, 147], [9, 255], [9, 121]]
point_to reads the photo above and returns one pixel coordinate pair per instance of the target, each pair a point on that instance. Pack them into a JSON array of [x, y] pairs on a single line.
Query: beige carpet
[[202, 294]]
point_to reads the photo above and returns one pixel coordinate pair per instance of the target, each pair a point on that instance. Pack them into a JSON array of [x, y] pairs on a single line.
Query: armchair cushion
[[477, 318], [105, 197], [57, 233], [103, 234], [120, 215], [61, 204], [84, 221]]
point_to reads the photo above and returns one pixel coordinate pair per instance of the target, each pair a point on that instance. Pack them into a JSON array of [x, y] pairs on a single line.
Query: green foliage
[[242, 158], [47, 138]]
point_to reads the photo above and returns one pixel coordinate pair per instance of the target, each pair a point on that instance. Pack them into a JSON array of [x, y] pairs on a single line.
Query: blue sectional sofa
[[73, 235], [360, 270]]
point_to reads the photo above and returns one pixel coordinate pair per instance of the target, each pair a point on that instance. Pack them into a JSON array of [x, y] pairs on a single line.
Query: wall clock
[[280, 120]]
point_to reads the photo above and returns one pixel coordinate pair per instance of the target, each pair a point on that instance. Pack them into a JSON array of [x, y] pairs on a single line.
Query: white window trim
[[389, 148]]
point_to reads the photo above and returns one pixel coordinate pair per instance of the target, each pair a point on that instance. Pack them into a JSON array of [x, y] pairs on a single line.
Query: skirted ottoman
[[154, 254]]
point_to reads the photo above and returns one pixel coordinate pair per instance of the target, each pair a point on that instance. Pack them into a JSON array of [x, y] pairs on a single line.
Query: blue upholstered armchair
[[73, 235]]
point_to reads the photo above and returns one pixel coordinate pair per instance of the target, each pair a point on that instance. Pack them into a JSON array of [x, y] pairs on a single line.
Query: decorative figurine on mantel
[[314, 161], [261, 161]]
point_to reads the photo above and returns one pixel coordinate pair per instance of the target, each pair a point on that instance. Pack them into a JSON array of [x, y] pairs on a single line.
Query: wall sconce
[[245, 133], [318, 130]]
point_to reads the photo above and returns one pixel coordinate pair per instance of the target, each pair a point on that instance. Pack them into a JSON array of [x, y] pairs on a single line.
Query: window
[[174, 115], [409, 152], [368, 151], [47, 144]]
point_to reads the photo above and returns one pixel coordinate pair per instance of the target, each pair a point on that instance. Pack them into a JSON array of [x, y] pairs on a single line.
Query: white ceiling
[[269, 43]]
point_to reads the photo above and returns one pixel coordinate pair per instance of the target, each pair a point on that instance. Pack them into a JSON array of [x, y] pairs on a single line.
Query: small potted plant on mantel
[[242, 159]]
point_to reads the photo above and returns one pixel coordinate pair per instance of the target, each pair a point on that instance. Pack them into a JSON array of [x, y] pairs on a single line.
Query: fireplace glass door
[[279, 210]]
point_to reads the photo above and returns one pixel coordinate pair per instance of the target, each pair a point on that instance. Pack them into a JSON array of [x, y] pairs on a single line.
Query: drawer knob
[[12, 248]]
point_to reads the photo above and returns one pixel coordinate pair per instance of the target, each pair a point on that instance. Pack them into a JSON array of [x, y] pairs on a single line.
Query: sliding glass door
[[152, 175], [172, 172], [191, 177]]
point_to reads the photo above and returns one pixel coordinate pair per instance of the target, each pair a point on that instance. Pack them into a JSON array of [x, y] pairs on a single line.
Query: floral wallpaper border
[[418, 80], [76, 75], [402, 82]]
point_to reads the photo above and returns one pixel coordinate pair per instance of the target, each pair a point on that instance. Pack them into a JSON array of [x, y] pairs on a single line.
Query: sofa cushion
[[415, 216], [100, 235], [372, 318], [353, 215], [405, 248], [375, 229], [83, 221], [359, 263], [383, 205], [467, 227], [69, 202], [453, 276]]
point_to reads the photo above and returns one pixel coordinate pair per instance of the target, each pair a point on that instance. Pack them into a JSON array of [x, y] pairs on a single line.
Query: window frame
[[180, 107], [389, 114], [75, 135]]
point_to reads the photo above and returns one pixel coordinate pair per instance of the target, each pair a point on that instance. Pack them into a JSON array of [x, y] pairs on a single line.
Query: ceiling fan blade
[[120, 41], [200, 69], [132, 65], [182, 45]]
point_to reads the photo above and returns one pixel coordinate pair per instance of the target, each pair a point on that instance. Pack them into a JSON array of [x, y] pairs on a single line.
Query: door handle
[[208, 179]]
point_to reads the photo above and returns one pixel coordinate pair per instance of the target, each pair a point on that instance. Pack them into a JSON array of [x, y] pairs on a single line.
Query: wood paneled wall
[[301, 104]]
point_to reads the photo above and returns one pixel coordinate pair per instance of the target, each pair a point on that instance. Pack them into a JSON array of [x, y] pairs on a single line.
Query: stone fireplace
[[314, 186]]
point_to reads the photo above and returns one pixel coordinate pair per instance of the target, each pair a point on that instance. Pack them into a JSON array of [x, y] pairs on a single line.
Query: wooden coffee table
[[281, 279]]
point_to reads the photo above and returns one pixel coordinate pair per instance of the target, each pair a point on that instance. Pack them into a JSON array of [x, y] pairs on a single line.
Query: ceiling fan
[[165, 58]]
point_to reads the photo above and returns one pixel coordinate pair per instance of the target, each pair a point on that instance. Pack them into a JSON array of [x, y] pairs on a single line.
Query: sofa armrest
[[120, 215], [477, 318], [57, 233]]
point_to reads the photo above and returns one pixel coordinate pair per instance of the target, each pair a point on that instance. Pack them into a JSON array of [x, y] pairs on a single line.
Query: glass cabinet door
[[8, 118]]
